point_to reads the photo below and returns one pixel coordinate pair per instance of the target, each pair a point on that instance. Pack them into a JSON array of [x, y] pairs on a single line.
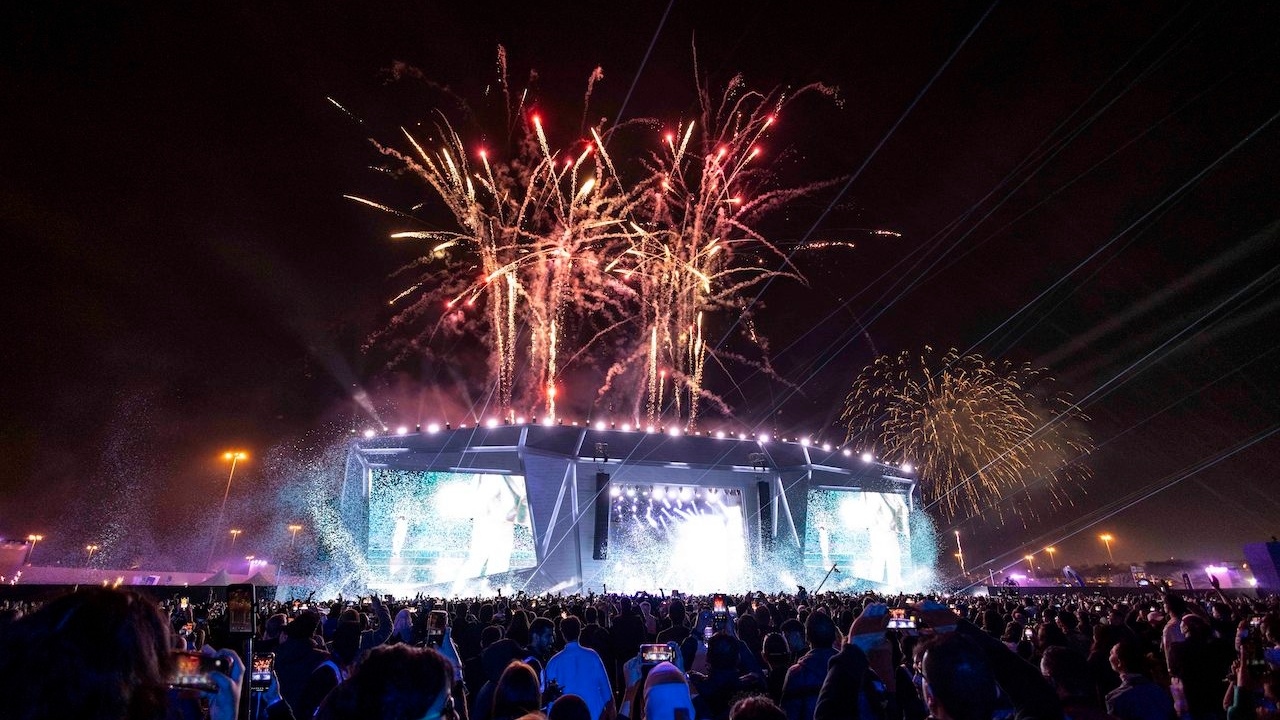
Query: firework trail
[[970, 426], [565, 248]]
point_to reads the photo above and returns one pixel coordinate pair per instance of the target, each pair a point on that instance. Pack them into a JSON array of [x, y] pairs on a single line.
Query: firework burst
[[559, 248], [987, 437]]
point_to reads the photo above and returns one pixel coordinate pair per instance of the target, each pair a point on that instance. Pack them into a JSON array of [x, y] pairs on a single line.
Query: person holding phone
[[101, 653]]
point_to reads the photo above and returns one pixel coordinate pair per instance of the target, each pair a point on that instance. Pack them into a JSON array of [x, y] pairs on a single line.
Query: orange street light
[[91, 549], [1030, 563], [1051, 550], [294, 529], [33, 539], [1106, 539], [235, 534], [235, 456]]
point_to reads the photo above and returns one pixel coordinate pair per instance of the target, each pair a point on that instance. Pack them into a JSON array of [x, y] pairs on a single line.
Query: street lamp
[[1051, 550], [294, 529], [248, 559], [33, 539], [91, 549], [1030, 563], [235, 534], [234, 456], [1106, 539]]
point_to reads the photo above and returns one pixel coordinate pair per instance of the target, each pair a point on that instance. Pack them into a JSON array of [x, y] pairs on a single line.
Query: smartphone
[[1028, 634], [651, 655], [719, 613], [240, 615], [194, 671], [263, 665], [437, 621], [899, 620]]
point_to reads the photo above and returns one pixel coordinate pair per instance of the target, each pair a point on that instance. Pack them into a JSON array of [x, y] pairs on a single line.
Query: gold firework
[[987, 438]]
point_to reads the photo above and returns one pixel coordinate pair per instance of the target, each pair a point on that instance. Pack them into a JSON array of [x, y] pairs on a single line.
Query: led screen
[[438, 527], [865, 534], [690, 539]]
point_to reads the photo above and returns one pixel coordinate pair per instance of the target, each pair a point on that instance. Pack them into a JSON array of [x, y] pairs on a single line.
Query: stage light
[[615, 491], [626, 427], [720, 434], [519, 421], [369, 433], [433, 428], [763, 437], [548, 421], [686, 493], [491, 423], [847, 452], [599, 424], [805, 442], [672, 493], [656, 493], [742, 436], [906, 467], [631, 492], [649, 429], [867, 457], [826, 447], [674, 432], [402, 430]]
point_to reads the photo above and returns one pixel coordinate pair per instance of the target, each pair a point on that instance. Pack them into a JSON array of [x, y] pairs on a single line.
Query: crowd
[[109, 654]]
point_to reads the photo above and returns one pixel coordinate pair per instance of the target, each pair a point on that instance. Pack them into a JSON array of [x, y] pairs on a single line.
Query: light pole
[[91, 549], [294, 529], [234, 534], [33, 539], [234, 456], [960, 553], [248, 568], [1051, 550], [1106, 539], [1031, 568]]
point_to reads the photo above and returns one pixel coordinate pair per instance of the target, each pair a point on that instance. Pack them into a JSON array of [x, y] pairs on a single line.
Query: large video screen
[[447, 527], [684, 538], [865, 534]]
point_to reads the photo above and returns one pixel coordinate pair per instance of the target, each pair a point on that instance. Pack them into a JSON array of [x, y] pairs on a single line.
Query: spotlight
[[369, 433], [433, 428], [491, 422], [656, 493], [805, 442], [649, 429], [866, 457], [615, 491], [519, 421], [673, 493], [599, 424], [631, 492], [548, 421], [720, 434], [674, 432], [686, 493], [847, 452], [826, 447], [402, 430], [763, 437], [626, 427], [742, 436], [447, 426], [906, 467]]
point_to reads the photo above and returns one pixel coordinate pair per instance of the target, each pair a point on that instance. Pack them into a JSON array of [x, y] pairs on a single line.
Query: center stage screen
[[690, 539], [437, 527], [866, 534]]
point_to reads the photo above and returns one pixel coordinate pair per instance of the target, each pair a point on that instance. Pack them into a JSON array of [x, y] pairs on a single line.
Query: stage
[[559, 507]]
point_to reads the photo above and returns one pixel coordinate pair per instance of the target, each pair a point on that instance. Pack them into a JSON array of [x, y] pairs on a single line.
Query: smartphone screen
[[437, 621], [240, 609], [263, 664], [655, 653], [195, 671]]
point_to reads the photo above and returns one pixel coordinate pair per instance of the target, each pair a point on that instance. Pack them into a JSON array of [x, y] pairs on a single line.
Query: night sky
[[182, 274]]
